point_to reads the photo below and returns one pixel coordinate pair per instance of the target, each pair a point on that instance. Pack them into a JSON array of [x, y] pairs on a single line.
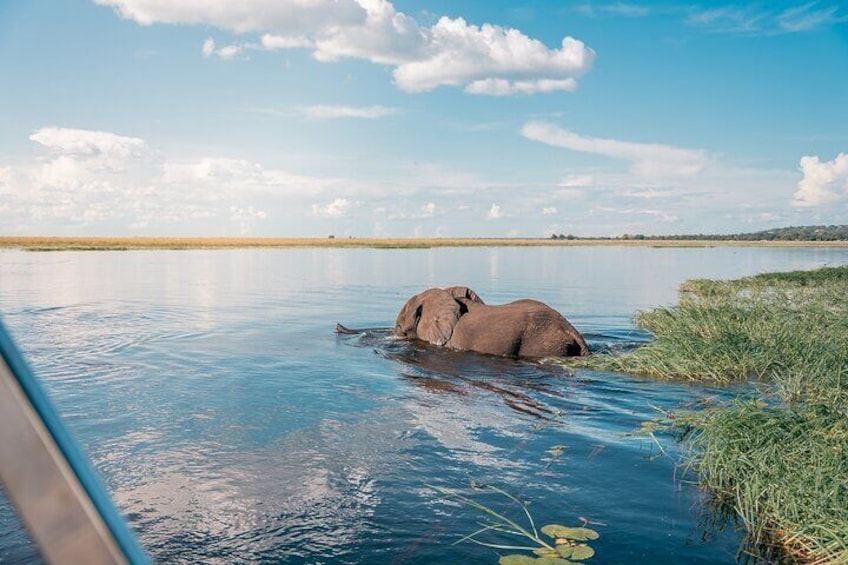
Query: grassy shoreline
[[779, 462], [35, 243]]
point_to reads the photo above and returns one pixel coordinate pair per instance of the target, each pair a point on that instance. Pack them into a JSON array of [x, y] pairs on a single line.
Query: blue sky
[[373, 118]]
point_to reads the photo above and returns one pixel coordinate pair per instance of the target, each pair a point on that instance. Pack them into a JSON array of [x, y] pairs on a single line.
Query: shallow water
[[231, 424]]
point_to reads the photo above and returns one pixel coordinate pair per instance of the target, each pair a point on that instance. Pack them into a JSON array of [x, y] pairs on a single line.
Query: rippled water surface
[[231, 424]]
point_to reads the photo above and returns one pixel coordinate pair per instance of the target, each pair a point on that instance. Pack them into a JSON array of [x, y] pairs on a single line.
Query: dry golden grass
[[122, 243]]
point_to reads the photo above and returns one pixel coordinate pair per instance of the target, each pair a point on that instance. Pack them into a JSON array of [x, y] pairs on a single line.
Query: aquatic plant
[[783, 470], [787, 330], [568, 546], [780, 461]]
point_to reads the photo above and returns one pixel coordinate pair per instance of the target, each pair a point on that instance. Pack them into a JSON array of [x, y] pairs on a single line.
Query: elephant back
[[464, 292]]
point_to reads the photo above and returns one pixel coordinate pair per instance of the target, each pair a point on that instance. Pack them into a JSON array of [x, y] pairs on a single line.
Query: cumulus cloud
[[117, 182], [647, 159], [89, 142], [494, 212], [549, 211], [338, 208], [321, 112], [486, 59], [490, 59], [80, 161], [823, 182], [246, 16]]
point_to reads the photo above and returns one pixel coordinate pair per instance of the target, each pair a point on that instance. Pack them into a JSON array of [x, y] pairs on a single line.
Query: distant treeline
[[792, 233]]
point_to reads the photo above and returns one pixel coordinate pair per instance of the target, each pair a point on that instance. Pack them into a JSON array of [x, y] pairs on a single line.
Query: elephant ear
[[464, 292], [439, 314], [408, 317]]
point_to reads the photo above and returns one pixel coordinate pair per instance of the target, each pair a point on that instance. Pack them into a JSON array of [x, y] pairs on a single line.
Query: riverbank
[[779, 461], [129, 243]]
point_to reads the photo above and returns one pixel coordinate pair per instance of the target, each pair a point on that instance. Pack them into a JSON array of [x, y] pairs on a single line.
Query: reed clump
[[780, 462]]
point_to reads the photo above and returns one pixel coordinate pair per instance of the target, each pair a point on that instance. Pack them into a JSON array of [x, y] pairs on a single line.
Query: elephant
[[456, 317]]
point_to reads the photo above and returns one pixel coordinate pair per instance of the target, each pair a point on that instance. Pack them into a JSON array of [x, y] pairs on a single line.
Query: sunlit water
[[231, 424]]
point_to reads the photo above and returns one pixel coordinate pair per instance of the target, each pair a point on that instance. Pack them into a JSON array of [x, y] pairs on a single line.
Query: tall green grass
[[780, 464]]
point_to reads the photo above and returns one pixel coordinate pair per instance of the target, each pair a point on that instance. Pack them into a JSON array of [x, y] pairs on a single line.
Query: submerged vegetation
[[568, 545], [780, 461]]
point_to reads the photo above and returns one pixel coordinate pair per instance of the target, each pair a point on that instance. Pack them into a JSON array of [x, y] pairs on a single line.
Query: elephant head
[[432, 315]]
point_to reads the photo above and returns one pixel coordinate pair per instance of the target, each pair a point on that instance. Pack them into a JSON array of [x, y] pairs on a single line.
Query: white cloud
[[503, 87], [486, 59], [494, 212], [273, 42], [661, 214], [760, 19], [424, 212], [338, 208], [386, 37], [461, 53], [615, 9], [210, 168], [81, 161], [208, 47], [649, 193], [569, 194], [549, 211], [230, 51], [823, 182], [245, 216], [648, 159], [247, 16], [89, 142], [331, 112], [237, 176], [226, 53], [6, 174], [118, 183], [577, 181]]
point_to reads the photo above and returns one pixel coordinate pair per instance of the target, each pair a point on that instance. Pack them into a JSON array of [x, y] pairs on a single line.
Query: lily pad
[[582, 552], [546, 552], [517, 559], [552, 529], [552, 561], [578, 534], [565, 550]]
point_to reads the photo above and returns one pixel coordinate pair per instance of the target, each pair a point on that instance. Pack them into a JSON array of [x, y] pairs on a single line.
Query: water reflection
[[232, 425]]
